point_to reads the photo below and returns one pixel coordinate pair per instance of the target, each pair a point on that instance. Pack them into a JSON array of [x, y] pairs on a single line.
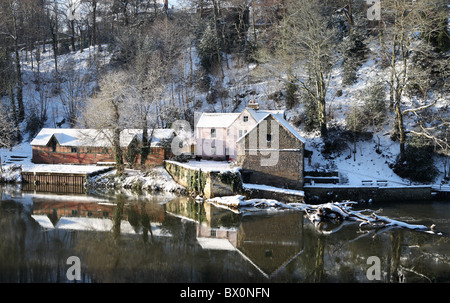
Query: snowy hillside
[[238, 81]]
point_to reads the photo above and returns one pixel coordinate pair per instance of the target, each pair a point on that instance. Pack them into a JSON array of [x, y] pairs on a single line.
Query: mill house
[[267, 148]]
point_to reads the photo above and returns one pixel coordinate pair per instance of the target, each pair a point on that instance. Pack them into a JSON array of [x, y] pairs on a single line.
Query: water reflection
[[119, 239]]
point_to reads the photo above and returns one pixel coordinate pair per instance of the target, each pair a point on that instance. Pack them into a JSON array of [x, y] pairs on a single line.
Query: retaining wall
[[377, 194], [208, 184]]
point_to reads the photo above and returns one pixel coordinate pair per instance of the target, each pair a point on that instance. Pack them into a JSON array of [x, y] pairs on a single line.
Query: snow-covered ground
[[153, 180], [368, 164], [209, 166]]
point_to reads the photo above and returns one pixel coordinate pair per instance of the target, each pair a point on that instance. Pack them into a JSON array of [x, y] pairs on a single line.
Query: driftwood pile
[[332, 212], [337, 212]]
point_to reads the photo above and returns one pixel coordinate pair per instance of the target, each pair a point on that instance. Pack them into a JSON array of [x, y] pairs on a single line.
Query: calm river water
[[173, 239]]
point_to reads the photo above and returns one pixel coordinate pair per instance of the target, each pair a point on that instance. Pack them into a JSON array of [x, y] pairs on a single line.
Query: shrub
[[417, 164], [310, 115]]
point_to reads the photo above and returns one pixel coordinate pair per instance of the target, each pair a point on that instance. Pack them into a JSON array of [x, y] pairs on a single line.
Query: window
[[53, 146], [213, 132], [269, 138], [73, 150], [245, 118]]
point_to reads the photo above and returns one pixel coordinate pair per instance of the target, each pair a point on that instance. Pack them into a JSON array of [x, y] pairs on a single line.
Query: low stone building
[[272, 153], [91, 146]]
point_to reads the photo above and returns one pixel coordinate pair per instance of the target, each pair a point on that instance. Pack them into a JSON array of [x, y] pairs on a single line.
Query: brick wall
[[85, 155]]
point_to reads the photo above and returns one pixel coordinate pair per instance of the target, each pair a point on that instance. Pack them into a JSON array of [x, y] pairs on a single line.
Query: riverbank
[[154, 180]]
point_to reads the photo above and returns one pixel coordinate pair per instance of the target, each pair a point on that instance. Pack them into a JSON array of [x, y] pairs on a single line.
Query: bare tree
[[8, 132], [305, 53], [147, 90], [109, 110], [74, 91], [9, 15], [400, 39]]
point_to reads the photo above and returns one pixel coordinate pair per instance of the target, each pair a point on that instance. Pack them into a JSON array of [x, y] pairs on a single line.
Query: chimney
[[253, 105]]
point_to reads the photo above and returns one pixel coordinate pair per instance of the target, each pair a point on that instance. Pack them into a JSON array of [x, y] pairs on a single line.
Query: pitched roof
[[217, 120], [289, 128], [94, 137], [259, 114], [158, 134], [281, 121]]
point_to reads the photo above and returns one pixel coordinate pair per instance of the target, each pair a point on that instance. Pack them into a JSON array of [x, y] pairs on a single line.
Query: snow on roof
[[280, 120], [93, 137], [158, 135], [94, 224], [43, 221], [259, 114], [219, 120], [289, 127]]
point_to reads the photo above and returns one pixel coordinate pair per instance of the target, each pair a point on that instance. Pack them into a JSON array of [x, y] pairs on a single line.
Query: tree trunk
[[145, 143], [94, 25], [72, 38], [322, 118], [118, 153], [400, 128], [321, 106], [21, 114]]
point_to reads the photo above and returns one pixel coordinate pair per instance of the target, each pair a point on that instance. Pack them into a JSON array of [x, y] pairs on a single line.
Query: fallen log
[[334, 212], [342, 211]]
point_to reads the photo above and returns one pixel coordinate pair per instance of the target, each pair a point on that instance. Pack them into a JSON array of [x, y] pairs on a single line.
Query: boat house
[[91, 146]]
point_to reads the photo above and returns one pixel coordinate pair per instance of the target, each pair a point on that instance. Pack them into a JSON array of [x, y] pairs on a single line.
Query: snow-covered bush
[[417, 164]]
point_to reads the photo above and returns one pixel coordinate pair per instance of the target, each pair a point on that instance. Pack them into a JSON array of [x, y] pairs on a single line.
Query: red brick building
[[90, 146]]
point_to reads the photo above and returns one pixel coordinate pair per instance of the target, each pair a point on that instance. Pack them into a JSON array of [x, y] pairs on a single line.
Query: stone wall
[[205, 183], [267, 194], [323, 194], [286, 169]]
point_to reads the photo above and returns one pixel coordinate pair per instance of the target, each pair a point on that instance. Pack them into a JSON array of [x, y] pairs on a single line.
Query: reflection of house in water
[[271, 242], [92, 214], [268, 242]]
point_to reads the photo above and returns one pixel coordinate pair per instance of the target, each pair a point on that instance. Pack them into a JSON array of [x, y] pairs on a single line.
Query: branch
[[411, 110], [441, 143]]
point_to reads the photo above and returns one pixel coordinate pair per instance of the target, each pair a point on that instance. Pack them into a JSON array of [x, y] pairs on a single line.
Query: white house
[[216, 134]]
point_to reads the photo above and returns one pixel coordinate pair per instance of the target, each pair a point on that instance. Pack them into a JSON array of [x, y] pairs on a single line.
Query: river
[[174, 239]]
